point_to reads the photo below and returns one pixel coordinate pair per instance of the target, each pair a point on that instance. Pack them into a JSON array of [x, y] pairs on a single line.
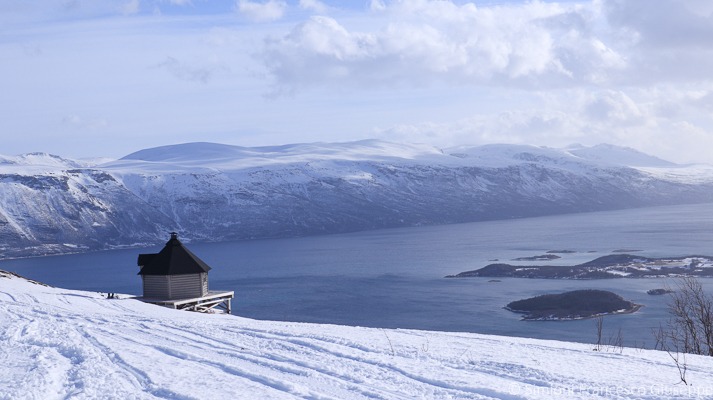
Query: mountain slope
[[216, 192], [51, 207], [625, 156], [324, 188], [58, 343]]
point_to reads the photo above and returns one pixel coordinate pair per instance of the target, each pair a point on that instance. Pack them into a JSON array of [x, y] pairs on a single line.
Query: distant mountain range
[[215, 192]]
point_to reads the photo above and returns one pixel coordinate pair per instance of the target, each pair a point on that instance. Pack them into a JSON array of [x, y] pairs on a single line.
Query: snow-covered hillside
[[215, 192], [52, 205], [60, 344]]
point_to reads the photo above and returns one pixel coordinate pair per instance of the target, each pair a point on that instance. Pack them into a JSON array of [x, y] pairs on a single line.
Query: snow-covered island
[[59, 344], [606, 267], [576, 304]]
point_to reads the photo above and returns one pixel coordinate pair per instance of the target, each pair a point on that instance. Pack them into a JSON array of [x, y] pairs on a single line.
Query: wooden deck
[[214, 301]]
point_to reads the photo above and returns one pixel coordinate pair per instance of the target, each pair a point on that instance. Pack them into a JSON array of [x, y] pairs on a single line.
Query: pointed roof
[[173, 259]]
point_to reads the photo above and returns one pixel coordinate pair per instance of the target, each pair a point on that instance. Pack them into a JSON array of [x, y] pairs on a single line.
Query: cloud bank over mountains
[[631, 72], [532, 45]]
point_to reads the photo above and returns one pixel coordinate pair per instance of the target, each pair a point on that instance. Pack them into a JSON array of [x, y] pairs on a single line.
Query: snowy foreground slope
[[58, 344]]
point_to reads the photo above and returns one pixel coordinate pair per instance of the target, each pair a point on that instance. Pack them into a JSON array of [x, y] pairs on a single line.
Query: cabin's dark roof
[[173, 259], [145, 259]]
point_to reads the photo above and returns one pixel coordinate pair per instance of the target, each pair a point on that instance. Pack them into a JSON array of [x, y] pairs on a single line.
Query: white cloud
[[516, 126], [532, 45], [665, 23], [628, 72], [181, 71], [77, 122], [270, 10], [420, 42], [672, 122], [666, 40], [130, 7], [377, 5], [614, 107], [314, 5]]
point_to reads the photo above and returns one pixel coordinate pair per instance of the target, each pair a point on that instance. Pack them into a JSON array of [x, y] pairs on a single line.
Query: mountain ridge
[[214, 192], [375, 149]]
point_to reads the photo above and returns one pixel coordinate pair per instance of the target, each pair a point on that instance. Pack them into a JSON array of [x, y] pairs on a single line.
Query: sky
[[90, 78]]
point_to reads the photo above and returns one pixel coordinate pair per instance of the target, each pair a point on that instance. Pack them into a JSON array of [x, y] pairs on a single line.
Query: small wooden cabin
[[173, 273]]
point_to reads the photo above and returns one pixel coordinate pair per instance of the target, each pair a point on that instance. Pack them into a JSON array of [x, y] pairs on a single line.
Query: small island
[[658, 292], [625, 250], [577, 304], [544, 257]]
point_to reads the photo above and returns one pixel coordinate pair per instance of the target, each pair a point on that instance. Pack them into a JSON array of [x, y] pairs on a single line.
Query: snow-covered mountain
[[52, 205], [215, 192], [65, 344]]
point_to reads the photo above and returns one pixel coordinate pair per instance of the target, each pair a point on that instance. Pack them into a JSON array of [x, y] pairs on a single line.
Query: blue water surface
[[395, 278]]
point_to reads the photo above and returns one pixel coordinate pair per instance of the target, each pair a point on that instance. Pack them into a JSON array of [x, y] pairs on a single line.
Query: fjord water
[[395, 278]]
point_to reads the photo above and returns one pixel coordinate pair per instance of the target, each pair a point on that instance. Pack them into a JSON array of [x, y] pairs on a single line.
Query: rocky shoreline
[[606, 267]]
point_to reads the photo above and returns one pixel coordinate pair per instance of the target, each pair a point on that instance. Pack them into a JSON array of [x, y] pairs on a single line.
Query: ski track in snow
[[62, 344]]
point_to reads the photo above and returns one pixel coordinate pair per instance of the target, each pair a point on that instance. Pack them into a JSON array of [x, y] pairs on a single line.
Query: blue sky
[[84, 78]]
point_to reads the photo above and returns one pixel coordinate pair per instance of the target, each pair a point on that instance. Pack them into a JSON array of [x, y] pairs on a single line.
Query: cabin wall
[[186, 286], [171, 287], [156, 286]]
